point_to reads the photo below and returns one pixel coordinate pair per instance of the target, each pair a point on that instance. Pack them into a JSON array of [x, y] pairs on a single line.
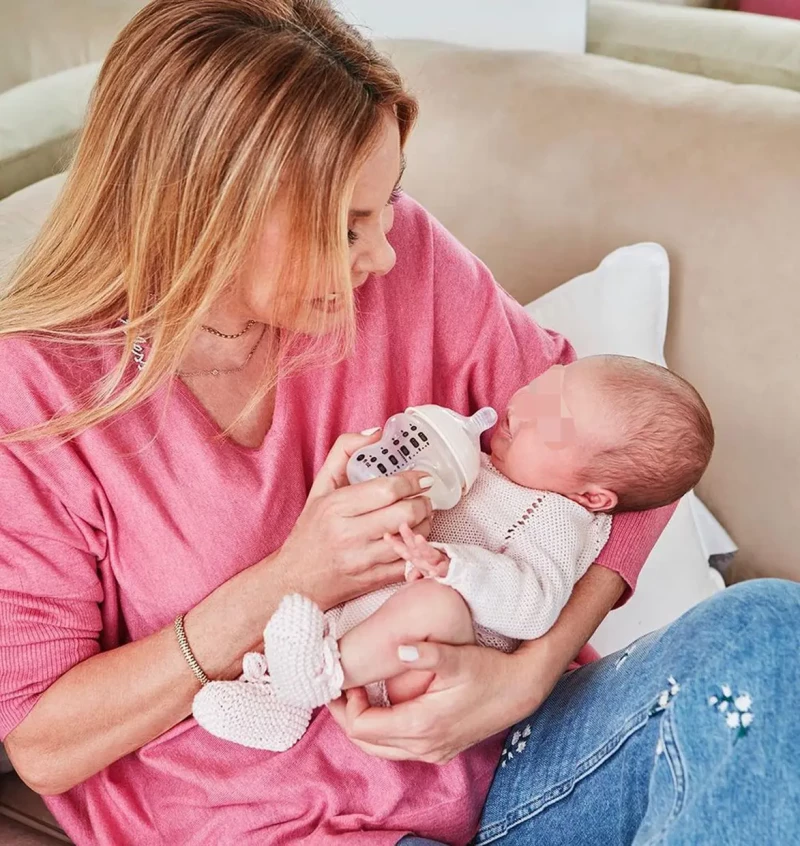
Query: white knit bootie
[[302, 654], [249, 712]]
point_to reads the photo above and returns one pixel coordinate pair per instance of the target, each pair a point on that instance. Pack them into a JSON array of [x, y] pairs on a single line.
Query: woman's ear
[[596, 499]]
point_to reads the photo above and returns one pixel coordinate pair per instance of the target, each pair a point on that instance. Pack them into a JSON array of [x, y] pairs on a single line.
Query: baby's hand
[[425, 560]]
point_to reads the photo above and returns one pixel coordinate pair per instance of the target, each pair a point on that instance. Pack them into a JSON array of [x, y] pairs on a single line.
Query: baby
[[583, 441]]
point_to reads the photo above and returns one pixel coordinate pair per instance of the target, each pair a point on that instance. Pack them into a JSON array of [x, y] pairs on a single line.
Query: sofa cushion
[[41, 37], [718, 44], [39, 124], [21, 217]]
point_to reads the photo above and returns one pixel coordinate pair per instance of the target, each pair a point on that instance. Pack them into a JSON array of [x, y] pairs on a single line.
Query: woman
[[214, 299]]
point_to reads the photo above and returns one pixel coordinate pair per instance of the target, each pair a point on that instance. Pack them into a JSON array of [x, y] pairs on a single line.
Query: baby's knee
[[438, 608]]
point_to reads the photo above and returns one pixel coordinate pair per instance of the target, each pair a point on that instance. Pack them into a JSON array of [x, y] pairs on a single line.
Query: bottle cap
[[462, 435]]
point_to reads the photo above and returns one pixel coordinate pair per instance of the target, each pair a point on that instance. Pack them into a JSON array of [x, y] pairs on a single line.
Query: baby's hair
[[669, 435]]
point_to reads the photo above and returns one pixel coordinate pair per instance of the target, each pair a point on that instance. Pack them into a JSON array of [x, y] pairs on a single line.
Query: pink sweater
[[106, 539]]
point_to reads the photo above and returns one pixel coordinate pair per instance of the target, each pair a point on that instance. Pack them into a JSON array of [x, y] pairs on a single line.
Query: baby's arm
[[518, 593], [517, 597]]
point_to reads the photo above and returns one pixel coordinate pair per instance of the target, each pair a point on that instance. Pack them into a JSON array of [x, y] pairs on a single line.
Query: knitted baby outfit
[[515, 555]]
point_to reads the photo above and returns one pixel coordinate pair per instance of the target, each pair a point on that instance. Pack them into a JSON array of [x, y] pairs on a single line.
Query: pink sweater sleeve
[[49, 591], [488, 344]]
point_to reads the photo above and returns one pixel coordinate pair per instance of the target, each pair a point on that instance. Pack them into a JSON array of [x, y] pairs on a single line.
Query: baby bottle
[[439, 441]]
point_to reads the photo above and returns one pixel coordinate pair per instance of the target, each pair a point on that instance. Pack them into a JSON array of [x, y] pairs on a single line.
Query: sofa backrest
[[41, 37]]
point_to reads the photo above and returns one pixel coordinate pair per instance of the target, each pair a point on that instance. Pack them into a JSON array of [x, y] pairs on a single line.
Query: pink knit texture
[[106, 539]]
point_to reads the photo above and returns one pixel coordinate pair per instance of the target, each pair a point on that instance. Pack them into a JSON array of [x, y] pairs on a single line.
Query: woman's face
[[370, 219]]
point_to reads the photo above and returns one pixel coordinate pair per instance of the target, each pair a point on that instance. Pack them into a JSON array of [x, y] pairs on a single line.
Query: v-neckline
[[191, 399]]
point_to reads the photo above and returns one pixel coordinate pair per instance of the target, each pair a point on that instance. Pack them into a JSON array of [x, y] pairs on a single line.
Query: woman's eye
[[352, 237]]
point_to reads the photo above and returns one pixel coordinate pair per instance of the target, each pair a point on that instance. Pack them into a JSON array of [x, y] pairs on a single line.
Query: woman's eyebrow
[[361, 213]]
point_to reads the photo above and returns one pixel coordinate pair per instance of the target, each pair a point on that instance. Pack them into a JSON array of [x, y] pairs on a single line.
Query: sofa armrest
[[39, 123], [731, 46]]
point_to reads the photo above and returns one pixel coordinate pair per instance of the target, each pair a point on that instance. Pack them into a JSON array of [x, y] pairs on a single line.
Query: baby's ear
[[596, 499]]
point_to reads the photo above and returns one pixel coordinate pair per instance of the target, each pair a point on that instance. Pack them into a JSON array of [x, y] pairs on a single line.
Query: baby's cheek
[[558, 432]]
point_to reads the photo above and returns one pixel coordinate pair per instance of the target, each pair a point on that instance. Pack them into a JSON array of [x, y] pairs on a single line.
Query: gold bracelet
[[183, 643]]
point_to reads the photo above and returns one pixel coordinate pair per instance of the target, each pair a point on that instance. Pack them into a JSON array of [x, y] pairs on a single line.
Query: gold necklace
[[212, 331], [216, 371]]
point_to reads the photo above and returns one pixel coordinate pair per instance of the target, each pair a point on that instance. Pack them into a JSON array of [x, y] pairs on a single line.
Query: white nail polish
[[426, 482], [407, 654], [367, 432]]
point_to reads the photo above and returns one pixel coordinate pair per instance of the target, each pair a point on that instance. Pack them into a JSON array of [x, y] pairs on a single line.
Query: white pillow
[[621, 308]]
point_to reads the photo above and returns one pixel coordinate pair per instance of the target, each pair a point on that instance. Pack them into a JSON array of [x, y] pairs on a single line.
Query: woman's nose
[[376, 259]]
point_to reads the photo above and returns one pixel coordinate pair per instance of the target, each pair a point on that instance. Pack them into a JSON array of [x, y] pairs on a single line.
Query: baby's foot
[[248, 711], [302, 654]]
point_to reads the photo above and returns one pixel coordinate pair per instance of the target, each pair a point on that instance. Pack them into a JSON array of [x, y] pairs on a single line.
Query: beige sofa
[[51, 52], [543, 164], [712, 42]]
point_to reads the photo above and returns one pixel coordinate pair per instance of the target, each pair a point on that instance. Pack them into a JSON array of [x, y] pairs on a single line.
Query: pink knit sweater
[[106, 539]]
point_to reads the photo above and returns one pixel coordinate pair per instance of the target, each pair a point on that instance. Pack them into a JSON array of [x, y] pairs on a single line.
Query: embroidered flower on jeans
[[516, 743], [736, 709], [733, 720], [666, 696]]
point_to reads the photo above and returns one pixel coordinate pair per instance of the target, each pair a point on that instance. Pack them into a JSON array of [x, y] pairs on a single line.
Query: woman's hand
[[337, 550], [476, 693]]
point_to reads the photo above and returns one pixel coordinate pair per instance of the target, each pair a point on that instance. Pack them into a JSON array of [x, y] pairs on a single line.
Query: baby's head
[[610, 432]]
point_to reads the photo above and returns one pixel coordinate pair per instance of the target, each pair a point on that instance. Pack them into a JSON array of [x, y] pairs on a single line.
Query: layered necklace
[[224, 371]]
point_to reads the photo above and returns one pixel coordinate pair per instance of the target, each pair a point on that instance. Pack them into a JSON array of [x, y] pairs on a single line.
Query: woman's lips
[[329, 303]]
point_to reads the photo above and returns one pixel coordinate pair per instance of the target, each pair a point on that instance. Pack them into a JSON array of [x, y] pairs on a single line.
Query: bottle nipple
[[482, 420]]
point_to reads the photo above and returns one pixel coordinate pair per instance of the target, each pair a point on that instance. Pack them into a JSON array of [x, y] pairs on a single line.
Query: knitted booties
[[248, 711], [302, 654]]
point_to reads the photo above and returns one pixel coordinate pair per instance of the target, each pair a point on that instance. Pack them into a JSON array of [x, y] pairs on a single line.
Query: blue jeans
[[690, 736]]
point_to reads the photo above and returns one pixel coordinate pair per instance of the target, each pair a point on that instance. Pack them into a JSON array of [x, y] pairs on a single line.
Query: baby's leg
[[423, 610]]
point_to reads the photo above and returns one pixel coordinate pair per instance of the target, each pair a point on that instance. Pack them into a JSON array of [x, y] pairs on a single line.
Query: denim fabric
[[690, 736]]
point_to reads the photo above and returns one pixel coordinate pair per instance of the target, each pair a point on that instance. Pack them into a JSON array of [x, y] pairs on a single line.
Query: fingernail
[[367, 432], [407, 654], [426, 482]]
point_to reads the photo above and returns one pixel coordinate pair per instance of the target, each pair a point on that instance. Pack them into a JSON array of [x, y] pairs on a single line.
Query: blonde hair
[[202, 112]]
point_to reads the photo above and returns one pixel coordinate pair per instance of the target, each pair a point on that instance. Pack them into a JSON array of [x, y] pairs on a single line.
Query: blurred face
[[552, 429], [370, 219]]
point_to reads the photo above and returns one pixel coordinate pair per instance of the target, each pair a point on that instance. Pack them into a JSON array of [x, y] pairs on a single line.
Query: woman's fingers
[[333, 473], [413, 511], [378, 494], [339, 711]]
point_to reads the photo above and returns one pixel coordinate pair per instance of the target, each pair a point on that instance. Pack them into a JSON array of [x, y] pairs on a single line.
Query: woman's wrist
[[524, 686], [542, 662], [230, 621]]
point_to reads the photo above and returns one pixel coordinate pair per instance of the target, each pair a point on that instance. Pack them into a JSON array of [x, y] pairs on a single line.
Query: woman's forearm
[[117, 701], [542, 662]]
